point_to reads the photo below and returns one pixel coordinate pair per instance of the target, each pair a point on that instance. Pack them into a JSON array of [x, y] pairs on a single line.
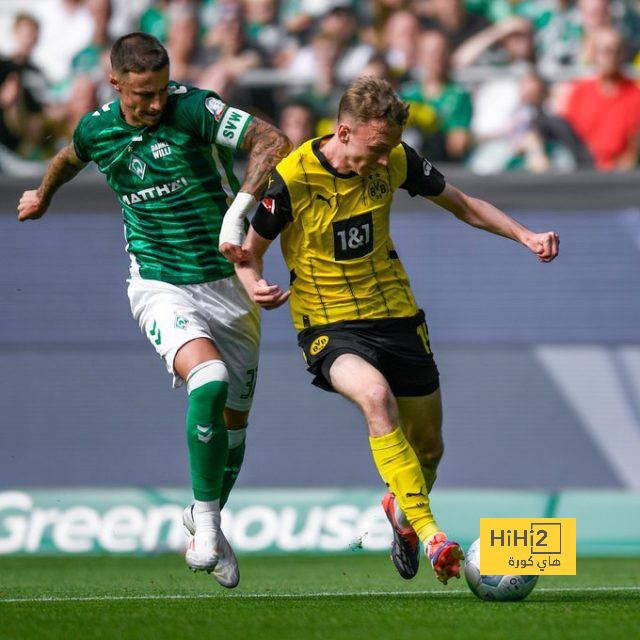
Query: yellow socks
[[398, 466]]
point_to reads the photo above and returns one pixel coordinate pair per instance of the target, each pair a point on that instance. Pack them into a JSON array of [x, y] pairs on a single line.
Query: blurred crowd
[[494, 85]]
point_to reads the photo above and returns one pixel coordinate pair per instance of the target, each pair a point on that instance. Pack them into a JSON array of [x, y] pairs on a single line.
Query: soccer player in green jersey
[[360, 328], [166, 150]]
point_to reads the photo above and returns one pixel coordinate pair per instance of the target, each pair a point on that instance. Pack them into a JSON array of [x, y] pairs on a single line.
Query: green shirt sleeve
[[81, 139]]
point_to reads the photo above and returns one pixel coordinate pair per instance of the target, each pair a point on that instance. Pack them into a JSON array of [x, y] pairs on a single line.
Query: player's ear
[[344, 132], [114, 82]]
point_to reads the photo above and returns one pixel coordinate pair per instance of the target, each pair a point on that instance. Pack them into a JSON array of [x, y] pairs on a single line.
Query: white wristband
[[232, 229]]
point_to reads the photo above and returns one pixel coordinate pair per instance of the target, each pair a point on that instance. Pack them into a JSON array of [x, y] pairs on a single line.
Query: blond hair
[[370, 98]]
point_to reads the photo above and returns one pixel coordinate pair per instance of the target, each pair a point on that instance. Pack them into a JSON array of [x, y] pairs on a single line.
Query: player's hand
[[269, 296], [545, 245], [233, 252], [31, 206]]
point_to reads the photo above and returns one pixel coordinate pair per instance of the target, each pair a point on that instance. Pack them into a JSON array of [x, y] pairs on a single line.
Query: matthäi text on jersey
[[156, 191]]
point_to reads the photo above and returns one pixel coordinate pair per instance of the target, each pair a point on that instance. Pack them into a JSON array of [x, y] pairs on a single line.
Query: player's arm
[[266, 146], [249, 272], [64, 166], [422, 178], [483, 215]]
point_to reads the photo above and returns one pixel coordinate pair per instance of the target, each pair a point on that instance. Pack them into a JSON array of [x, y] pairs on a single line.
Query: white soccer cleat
[[210, 552]]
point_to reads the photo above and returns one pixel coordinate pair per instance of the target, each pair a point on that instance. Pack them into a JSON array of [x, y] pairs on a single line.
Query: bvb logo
[[378, 189], [318, 345]]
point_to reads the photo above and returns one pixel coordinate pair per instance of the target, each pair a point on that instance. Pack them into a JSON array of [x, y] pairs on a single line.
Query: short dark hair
[[369, 98], [138, 52]]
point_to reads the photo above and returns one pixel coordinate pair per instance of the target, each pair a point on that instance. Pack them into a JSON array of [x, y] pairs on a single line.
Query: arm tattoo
[[64, 166], [266, 146]]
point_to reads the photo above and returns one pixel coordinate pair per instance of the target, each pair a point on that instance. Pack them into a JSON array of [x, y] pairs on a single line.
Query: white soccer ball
[[500, 588]]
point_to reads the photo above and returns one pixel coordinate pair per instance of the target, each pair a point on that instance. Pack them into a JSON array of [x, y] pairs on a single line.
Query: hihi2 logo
[[543, 546]]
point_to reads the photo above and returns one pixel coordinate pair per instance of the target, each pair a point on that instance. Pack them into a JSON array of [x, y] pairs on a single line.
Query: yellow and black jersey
[[335, 234]]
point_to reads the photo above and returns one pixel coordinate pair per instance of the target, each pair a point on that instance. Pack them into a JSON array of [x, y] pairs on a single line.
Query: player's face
[[369, 144], [143, 95]]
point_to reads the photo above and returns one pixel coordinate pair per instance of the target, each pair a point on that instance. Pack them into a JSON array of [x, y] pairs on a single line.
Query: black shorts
[[397, 347]]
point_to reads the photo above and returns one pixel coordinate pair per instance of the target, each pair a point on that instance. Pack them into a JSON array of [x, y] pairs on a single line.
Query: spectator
[[67, 27], [230, 57], [537, 140], [547, 141], [441, 109], [454, 20], [12, 108], [378, 68], [380, 12], [183, 36], [605, 109], [341, 25], [497, 99], [399, 38], [297, 121], [267, 31], [564, 31], [300, 16], [154, 19], [34, 88], [499, 44], [324, 90]]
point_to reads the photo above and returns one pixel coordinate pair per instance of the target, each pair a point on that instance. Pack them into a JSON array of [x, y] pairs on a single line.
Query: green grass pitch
[[350, 596]]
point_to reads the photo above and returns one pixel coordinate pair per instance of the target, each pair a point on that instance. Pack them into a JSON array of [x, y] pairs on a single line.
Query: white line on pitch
[[282, 596]]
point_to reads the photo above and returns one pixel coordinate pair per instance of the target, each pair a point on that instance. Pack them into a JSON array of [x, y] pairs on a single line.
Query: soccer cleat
[[212, 554], [445, 556], [405, 548]]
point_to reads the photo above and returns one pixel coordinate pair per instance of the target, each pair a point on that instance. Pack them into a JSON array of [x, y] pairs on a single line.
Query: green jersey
[[174, 181]]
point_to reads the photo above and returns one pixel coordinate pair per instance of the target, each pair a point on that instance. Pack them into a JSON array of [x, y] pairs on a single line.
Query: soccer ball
[[501, 588]]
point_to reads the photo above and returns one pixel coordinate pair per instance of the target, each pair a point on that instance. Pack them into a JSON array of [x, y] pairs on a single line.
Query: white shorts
[[172, 315]]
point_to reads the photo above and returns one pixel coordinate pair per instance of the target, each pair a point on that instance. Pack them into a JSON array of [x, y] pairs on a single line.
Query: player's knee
[[377, 400], [205, 373], [207, 385], [430, 454]]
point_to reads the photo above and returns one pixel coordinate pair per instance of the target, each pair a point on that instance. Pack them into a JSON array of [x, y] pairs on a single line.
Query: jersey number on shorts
[[353, 238], [252, 376]]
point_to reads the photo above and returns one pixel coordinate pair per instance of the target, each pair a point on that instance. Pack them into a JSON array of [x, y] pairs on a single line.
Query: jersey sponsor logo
[[156, 191], [377, 189], [318, 345], [137, 166], [216, 107], [426, 167], [269, 204], [353, 237], [231, 127], [160, 149]]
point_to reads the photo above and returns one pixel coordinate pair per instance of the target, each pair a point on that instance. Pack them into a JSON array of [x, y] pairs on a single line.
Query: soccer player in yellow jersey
[[362, 333]]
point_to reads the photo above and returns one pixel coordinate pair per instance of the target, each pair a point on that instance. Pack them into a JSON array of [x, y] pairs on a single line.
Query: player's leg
[[237, 431], [167, 315], [199, 363], [234, 323], [421, 421], [363, 384]]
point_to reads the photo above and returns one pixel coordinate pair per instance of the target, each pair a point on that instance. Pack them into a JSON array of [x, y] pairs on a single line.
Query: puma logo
[[328, 200]]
